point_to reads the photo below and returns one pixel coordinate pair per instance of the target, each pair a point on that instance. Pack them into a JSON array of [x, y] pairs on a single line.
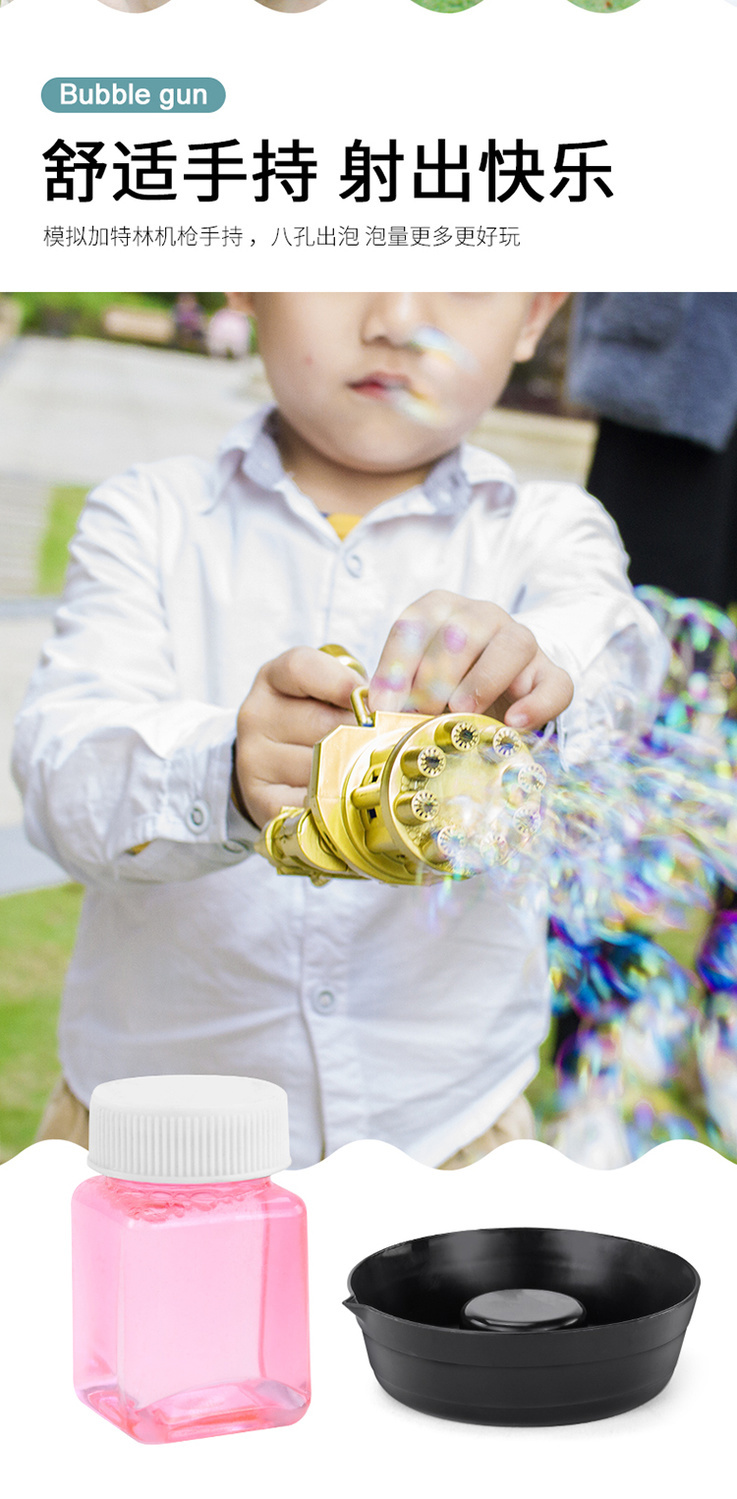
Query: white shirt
[[406, 1015]]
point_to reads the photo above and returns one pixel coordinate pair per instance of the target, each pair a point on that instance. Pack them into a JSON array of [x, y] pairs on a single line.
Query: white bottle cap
[[188, 1129]]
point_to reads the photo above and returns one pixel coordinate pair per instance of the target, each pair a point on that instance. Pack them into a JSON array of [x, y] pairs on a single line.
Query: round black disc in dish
[[520, 1309]]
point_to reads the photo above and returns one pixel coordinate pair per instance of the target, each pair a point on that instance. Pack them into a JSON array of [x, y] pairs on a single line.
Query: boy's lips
[[400, 392], [379, 385]]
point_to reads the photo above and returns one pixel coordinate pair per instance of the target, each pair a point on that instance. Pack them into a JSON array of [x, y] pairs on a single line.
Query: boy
[[176, 708]]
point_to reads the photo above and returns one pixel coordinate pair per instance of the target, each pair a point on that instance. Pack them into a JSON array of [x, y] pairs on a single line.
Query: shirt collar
[[250, 447]]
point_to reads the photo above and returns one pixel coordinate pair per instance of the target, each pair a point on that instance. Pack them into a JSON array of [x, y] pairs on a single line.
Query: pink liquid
[[190, 1306]]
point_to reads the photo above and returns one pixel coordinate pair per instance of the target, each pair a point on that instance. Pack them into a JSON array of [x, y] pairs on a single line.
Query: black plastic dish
[[409, 1300]]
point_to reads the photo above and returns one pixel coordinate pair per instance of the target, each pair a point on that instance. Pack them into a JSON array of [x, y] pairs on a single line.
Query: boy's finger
[[290, 764], [405, 647], [271, 799], [302, 721], [551, 694], [447, 661], [304, 672], [506, 656]]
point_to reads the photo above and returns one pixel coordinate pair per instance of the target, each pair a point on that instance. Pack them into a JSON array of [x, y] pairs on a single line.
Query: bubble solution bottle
[[189, 1264]]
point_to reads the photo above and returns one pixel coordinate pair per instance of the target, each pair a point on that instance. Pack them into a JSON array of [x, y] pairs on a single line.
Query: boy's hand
[[447, 652], [294, 701]]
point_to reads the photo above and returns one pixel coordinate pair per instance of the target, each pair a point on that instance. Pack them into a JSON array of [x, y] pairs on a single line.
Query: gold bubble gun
[[408, 799]]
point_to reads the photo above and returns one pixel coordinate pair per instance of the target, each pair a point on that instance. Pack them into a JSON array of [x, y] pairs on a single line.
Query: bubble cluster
[[639, 835], [637, 839], [632, 843], [700, 687]]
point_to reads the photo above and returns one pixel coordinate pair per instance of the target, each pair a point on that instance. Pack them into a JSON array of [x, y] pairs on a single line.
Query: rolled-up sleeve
[[580, 606], [109, 755]]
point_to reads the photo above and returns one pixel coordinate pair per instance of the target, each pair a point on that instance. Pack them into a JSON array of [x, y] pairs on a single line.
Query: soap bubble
[[650, 1127], [590, 1063], [702, 678], [577, 980], [655, 1036], [568, 971], [433, 341], [417, 405], [593, 1134], [717, 961], [716, 1050], [638, 968]]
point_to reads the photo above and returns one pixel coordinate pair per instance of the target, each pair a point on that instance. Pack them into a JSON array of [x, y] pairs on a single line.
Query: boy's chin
[[391, 452], [396, 461]]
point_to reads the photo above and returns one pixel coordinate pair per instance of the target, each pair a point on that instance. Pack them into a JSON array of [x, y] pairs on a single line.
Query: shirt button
[[324, 1002], [354, 565], [198, 817]]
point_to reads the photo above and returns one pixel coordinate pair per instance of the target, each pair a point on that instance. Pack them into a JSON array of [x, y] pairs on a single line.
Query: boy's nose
[[392, 316]]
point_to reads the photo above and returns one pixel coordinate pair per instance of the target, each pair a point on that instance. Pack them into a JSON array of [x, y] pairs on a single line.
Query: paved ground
[[74, 410], [22, 633], [23, 867], [23, 505], [20, 642]]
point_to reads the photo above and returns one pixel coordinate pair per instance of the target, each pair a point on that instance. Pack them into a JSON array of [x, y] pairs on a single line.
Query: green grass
[[603, 6], [37, 932], [64, 507], [447, 5]]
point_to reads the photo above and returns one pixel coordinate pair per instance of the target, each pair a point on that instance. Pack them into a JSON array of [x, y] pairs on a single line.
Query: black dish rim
[[580, 1331]]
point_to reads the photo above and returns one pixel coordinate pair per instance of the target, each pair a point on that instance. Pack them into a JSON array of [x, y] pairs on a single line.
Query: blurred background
[[90, 383]]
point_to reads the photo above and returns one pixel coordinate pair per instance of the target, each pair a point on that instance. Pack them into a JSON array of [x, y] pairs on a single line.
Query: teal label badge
[[128, 96]]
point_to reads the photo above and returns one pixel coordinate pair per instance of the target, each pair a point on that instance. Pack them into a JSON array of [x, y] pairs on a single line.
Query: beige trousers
[[65, 1118]]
